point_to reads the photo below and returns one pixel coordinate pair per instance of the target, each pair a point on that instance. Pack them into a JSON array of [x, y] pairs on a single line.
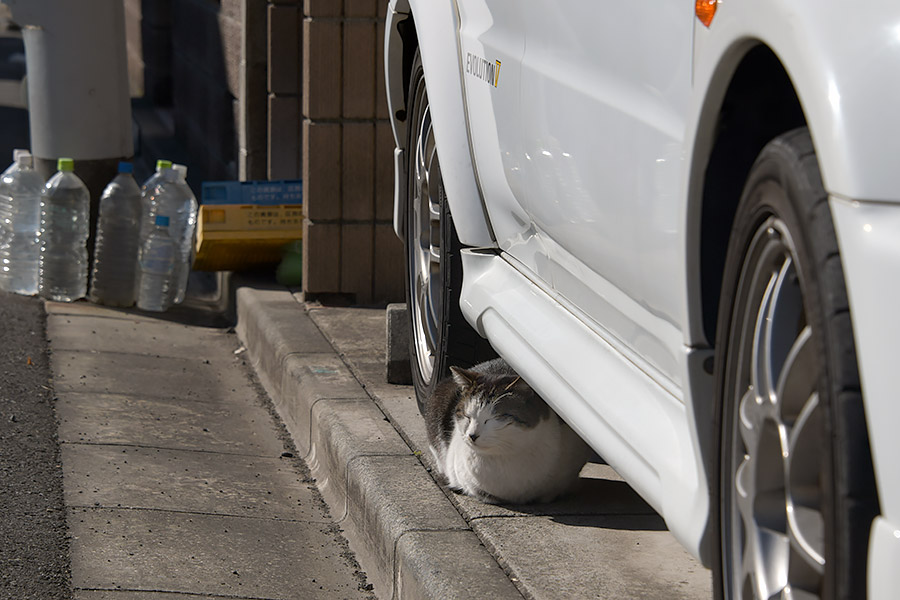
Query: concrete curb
[[408, 536]]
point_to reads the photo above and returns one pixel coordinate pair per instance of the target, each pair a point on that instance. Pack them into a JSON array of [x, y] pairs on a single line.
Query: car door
[[492, 44], [605, 87]]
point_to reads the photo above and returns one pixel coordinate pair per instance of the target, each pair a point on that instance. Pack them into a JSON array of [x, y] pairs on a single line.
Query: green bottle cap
[[163, 164], [65, 164]]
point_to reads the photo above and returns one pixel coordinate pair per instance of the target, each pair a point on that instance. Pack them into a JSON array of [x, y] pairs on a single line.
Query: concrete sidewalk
[[178, 480], [364, 440]]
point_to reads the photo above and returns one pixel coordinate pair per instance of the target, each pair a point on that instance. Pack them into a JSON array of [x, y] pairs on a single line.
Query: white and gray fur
[[494, 438]]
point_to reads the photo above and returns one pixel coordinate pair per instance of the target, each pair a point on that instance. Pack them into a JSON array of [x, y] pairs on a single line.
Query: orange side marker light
[[706, 10]]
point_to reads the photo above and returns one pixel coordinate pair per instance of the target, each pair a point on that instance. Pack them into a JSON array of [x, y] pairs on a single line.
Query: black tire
[[439, 334], [796, 483]]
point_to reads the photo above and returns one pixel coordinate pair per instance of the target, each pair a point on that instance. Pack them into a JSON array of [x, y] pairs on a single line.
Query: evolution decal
[[483, 69]]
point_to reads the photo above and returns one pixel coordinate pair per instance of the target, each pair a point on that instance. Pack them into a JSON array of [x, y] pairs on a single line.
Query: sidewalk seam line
[[135, 396], [174, 592], [143, 447], [93, 507]]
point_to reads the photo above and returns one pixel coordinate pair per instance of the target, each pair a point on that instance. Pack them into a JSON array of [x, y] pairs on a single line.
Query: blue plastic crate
[[261, 193]]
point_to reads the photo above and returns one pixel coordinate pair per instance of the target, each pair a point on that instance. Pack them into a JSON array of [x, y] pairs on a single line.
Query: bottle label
[[158, 260]]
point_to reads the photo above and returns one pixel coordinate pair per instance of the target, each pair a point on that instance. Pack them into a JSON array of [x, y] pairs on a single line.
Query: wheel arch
[[752, 98], [732, 129], [431, 26], [747, 116]]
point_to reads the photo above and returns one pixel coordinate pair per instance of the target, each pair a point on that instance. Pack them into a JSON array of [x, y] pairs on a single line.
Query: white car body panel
[[836, 56], [884, 556], [572, 217], [436, 27], [834, 81], [868, 233], [869, 238], [603, 147], [492, 44]]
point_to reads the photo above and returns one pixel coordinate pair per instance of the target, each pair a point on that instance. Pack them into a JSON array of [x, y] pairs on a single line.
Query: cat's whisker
[[499, 398]]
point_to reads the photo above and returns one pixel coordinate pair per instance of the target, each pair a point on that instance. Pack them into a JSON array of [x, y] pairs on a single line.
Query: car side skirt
[[639, 428]]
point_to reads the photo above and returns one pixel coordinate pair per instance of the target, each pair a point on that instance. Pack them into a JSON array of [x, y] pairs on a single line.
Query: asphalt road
[[34, 557]]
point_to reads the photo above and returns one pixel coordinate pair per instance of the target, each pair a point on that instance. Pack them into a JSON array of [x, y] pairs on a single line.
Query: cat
[[494, 438]]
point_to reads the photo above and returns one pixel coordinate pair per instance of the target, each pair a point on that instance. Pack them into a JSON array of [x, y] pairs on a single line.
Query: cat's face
[[493, 411], [481, 426]]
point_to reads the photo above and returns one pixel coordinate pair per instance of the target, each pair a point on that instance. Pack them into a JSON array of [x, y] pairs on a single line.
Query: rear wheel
[[439, 334], [797, 492]]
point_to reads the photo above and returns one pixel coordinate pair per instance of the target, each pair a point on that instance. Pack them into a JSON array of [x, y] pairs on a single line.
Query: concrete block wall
[[347, 166], [280, 89]]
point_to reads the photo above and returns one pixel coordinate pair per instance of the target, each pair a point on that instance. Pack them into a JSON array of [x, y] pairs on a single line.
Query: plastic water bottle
[[20, 196], [157, 260], [187, 215], [5, 205], [65, 222], [147, 189], [161, 165], [172, 197], [118, 241]]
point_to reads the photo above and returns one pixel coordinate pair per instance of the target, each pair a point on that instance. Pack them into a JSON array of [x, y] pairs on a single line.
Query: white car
[[680, 222]]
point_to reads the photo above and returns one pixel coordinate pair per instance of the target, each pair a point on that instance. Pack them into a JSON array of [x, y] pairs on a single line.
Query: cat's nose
[[473, 437]]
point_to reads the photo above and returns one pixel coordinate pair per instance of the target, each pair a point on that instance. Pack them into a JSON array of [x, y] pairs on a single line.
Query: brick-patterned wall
[[347, 146], [282, 89]]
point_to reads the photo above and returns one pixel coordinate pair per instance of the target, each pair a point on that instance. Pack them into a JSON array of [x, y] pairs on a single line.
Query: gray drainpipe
[[77, 83]]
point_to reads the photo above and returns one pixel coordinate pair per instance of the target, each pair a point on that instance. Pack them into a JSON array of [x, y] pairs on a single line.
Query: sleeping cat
[[494, 438]]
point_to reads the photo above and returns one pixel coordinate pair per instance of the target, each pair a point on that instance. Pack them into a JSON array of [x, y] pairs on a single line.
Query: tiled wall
[[347, 146]]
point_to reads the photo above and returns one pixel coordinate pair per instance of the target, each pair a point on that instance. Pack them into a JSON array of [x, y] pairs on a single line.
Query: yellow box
[[236, 237]]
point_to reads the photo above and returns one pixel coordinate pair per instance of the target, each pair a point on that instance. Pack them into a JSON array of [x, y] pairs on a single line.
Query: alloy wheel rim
[[774, 531], [426, 282]]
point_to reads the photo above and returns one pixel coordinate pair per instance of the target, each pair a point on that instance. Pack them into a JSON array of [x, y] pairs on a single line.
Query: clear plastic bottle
[[161, 165], [65, 222], [147, 189], [147, 219], [157, 260], [118, 240], [5, 205], [188, 215], [20, 195], [172, 196]]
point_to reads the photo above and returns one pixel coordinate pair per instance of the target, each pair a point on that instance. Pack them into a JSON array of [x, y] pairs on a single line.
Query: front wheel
[[439, 334], [796, 485]]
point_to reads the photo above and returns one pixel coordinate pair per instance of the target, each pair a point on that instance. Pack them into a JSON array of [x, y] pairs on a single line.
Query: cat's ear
[[462, 377]]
